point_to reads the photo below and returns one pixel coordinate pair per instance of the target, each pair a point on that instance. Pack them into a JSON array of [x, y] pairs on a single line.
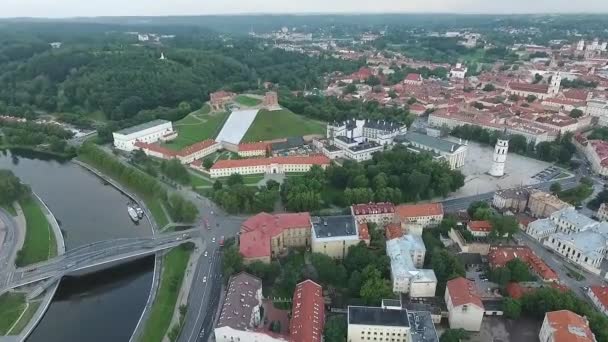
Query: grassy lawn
[[11, 307], [252, 180], [283, 123], [174, 266], [39, 242], [195, 127], [199, 181], [26, 318], [156, 208], [247, 101]]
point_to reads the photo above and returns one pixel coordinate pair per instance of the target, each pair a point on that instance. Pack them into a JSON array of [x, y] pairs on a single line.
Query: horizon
[[68, 9]]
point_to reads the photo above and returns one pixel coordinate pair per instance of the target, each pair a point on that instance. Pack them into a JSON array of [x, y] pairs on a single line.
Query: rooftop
[[417, 210], [368, 145], [520, 194], [480, 226], [293, 160], [588, 242], [327, 227], [601, 292], [569, 327], [307, 313], [257, 231], [365, 315], [241, 299], [255, 146], [423, 328], [373, 208], [463, 291], [573, 217], [499, 256], [400, 251], [531, 88], [141, 127], [436, 144]]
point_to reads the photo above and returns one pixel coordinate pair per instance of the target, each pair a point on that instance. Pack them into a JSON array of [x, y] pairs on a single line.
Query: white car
[[213, 239], [204, 279], [205, 253]]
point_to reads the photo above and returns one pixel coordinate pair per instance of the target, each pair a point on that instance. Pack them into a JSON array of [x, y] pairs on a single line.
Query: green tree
[[489, 87], [555, 188], [11, 188], [454, 335], [503, 226], [511, 308], [207, 163], [531, 98], [335, 329], [374, 289], [232, 261], [354, 283], [576, 113], [235, 179]]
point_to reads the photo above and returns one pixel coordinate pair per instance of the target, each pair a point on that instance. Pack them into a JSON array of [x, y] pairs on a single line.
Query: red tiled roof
[[499, 256], [532, 88], [462, 291], [258, 230], [601, 149], [363, 231], [601, 292], [373, 208], [516, 291], [256, 146], [186, 151], [416, 210], [569, 327], [480, 226], [393, 231], [414, 77], [234, 163], [308, 313], [576, 94]]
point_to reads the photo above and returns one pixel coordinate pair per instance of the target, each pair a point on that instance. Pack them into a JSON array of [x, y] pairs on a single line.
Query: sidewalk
[[182, 297]]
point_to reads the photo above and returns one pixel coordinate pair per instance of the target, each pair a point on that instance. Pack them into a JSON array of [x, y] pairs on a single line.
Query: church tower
[[556, 82], [500, 156]]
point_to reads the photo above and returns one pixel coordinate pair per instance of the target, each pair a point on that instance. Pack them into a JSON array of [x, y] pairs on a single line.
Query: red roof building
[[253, 149], [379, 213], [429, 214], [393, 231], [224, 168], [414, 79], [307, 313], [462, 291], [364, 232], [599, 297], [565, 326], [499, 256], [529, 88], [262, 235], [186, 155], [479, 228]]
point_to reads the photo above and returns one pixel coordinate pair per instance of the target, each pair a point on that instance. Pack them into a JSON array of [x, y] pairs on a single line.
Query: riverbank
[[60, 155], [40, 242], [171, 281]]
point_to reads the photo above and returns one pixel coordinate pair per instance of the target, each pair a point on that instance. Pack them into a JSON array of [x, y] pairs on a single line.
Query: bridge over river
[[91, 255]]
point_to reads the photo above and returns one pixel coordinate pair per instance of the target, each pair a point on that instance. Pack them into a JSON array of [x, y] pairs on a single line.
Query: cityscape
[[293, 177]]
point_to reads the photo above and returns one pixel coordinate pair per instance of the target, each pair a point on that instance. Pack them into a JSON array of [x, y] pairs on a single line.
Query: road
[[7, 248], [203, 300]]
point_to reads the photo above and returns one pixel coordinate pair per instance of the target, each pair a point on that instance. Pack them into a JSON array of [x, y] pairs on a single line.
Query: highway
[[93, 255], [7, 248]]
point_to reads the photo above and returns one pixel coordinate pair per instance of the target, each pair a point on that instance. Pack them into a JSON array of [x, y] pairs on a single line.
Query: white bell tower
[[500, 156], [556, 82]]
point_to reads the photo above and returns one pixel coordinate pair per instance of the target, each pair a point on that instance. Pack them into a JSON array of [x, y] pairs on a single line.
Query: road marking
[[200, 309]]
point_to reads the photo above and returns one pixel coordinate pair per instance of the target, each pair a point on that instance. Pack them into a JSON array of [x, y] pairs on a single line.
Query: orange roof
[[393, 231], [601, 292], [416, 210], [569, 327], [499, 256], [234, 163], [186, 151], [516, 291], [480, 226], [258, 230], [414, 77], [308, 313], [462, 291], [256, 146], [373, 208], [531, 88], [363, 231]]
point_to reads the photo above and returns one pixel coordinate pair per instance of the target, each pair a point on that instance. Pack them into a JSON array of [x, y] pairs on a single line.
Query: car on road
[[202, 334], [206, 253], [204, 279], [213, 239]]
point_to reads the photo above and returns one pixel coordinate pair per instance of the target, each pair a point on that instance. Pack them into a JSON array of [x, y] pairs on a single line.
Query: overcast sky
[[71, 8]]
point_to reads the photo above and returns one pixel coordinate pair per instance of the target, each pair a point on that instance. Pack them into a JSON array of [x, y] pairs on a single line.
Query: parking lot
[[485, 287], [550, 173]]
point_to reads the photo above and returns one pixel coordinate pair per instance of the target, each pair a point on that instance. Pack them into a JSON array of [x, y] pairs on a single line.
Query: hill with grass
[[197, 126], [269, 125]]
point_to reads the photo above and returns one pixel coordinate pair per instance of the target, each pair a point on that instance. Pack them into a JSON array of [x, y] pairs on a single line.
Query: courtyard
[[519, 171]]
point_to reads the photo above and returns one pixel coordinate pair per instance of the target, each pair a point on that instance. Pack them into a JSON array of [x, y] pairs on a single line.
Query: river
[[102, 306]]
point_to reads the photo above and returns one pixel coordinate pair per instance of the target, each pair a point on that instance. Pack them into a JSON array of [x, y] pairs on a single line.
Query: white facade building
[[566, 326], [407, 256], [459, 71], [465, 308], [378, 324], [453, 153], [500, 157], [149, 132], [598, 108]]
